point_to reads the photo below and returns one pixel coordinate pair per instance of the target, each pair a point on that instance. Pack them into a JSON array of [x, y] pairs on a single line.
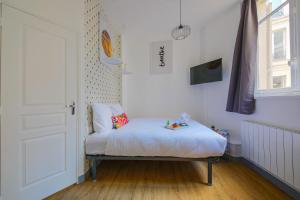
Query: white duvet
[[148, 137]]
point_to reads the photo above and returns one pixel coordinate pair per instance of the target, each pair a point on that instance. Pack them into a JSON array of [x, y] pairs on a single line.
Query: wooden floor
[[172, 180]]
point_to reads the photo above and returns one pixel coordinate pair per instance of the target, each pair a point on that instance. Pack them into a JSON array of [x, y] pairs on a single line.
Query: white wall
[[218, 38], [166, 95], [146, 95], [0, 102]]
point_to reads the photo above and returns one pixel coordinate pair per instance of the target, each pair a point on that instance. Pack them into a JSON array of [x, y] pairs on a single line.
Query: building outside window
[[279, 45], [279, 81], [275, 39], [274, 44]]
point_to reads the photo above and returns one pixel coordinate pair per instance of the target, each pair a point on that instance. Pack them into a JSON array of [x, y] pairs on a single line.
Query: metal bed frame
[[94, 158]]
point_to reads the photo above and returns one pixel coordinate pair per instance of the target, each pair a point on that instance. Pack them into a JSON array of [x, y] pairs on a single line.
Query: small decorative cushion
[[119, 121]]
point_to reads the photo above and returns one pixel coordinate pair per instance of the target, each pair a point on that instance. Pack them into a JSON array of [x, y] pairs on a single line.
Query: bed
[[147, 139]]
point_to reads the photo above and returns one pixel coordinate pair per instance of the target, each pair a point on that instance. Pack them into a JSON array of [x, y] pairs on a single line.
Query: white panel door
[[39, 72]]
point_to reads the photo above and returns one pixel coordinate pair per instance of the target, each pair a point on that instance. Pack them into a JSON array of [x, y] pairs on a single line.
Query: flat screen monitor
[[207, 72]]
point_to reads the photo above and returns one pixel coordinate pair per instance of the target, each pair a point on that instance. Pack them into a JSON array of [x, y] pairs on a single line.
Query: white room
[[160, 99]]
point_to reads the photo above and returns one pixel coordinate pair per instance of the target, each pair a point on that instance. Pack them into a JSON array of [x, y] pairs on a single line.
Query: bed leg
[[94, 169], [209, 172]]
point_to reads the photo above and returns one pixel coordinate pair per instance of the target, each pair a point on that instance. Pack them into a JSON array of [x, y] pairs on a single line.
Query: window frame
[[294, 63]]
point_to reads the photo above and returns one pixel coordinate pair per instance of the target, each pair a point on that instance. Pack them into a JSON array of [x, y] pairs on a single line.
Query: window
[[276, 69], [279, 45], [276, 4], [279, 81]]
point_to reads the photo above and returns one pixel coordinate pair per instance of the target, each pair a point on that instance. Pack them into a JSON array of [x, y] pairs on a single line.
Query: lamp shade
[[181, 32]]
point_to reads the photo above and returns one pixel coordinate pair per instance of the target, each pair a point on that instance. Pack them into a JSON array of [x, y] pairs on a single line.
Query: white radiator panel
[[288, 158], [274, 149], [247, 144], [296, 160], [243, 138], [255, 143], [261, 152], [267, 148], [280, 154], [251, 138]]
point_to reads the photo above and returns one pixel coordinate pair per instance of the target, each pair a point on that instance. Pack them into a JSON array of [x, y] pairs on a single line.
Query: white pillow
[[101, 118], [116, 109]]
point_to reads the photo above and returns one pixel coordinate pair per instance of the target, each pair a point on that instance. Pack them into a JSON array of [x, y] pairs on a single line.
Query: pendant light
[[182, 31]]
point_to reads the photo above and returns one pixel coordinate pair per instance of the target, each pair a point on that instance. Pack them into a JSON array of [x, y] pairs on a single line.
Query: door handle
[[73, 107]]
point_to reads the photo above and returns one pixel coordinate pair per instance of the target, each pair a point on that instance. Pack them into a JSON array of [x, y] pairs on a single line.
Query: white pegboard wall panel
[[102, 83]]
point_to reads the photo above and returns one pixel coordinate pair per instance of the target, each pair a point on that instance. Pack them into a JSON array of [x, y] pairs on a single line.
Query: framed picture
[[106, 49], [161, 57]]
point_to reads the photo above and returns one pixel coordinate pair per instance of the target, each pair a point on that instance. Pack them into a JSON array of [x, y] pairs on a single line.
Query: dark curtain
[[241, 89]]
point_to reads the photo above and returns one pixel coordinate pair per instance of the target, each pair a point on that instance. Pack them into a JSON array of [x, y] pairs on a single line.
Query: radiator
[[274, 149]]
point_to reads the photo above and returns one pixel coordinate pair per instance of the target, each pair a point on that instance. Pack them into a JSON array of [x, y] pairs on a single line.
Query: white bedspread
[[96, 143], [148, 137]]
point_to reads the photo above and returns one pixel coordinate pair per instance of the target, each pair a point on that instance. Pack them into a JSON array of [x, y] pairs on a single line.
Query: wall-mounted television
[[207, 72]]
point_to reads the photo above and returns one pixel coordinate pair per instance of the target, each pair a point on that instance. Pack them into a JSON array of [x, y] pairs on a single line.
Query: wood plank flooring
[[160, 180]]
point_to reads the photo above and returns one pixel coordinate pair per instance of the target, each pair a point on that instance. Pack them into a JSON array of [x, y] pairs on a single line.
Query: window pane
[[278, 45], [279, 82], [274, 50], [267, 6]]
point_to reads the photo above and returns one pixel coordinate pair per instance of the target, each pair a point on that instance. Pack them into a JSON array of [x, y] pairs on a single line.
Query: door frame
[[3, 100], [2, 118]]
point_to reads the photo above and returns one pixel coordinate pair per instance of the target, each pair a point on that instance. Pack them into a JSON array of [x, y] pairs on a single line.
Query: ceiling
[[131, 14]]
